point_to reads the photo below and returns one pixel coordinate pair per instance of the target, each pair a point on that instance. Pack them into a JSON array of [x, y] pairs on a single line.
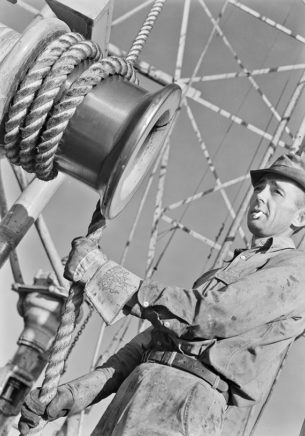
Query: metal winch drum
[[114, 138], [115, 134]]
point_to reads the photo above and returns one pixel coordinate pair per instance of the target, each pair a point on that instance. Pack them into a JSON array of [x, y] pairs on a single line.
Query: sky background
[[234, 150]]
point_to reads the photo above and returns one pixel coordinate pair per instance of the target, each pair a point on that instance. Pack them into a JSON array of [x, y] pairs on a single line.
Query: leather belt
[[188, 364]]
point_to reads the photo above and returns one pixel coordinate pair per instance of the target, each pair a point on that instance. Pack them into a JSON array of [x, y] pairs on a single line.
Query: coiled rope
[[43, 152], [36, 121], [37, 92]]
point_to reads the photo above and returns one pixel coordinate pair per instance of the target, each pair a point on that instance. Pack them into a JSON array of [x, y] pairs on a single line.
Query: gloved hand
[[32, 409], [84, 260]]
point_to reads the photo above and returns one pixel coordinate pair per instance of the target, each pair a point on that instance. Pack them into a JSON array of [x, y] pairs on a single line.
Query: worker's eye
[[278, 192]]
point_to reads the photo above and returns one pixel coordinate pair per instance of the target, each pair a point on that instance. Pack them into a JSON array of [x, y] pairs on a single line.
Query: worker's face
[[276, 207]]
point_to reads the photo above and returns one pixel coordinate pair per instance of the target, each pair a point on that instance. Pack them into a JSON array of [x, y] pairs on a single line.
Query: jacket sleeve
[[107, 378], [228, 309]]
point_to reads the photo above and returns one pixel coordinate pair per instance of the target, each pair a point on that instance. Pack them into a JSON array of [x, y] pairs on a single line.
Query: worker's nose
[[263, 194]]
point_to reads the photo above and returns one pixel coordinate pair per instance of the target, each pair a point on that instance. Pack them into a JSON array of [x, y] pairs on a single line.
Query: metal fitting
[[40, 305], [91, 18], [17, 378], [15, 383]]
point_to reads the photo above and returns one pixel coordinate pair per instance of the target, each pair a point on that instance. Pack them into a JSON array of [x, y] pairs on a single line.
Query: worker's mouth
[[256, 214]]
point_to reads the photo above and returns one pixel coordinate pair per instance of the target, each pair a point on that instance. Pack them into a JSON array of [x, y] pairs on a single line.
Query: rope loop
[[47, 95], [28, 88], [36, 122], [39, 115], [63, 111], [38, 92], [40, 110]]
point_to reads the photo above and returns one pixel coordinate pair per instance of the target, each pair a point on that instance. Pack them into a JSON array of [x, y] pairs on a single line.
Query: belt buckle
[[216, 382], [168, 360], [145, 357]]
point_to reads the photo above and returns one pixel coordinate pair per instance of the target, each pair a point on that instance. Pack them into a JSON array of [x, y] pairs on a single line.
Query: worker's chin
[[257, 228]]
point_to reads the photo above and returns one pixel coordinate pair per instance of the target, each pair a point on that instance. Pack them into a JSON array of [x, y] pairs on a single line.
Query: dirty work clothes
[[156, 400], [237, 319]]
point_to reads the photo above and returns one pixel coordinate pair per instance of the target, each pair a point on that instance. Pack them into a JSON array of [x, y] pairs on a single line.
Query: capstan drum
[[114, 138], [116, 132]]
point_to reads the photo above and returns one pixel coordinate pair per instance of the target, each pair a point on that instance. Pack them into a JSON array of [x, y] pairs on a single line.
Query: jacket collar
[[275, 243]]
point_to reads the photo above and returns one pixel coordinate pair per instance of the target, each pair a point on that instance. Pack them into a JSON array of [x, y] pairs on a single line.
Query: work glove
[[86, 257], [33, 410], [84, 260]]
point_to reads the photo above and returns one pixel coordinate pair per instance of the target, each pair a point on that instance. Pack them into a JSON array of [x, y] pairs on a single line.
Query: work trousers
[[158, 400]]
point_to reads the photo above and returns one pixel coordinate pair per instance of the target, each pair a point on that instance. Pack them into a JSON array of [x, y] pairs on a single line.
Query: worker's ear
[[299, 220]]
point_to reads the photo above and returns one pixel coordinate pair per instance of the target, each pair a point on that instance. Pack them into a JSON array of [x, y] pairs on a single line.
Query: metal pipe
[[44, 234], [50, 250], [14, 261], [40, 305], [16, 379], [182, 39], [24, 212]]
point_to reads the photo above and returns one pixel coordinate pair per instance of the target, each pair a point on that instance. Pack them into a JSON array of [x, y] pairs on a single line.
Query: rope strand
[[28, 88], [35, 124], [60, 350], [142, 36], [45, 169]]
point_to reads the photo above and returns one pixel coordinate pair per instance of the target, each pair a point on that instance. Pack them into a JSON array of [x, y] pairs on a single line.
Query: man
[[209, 346]]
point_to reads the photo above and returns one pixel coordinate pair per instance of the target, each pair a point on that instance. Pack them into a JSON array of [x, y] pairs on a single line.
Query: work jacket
[[238, 319]]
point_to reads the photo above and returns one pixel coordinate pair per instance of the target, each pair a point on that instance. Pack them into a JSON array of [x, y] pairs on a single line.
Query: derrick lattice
[[236, 114]]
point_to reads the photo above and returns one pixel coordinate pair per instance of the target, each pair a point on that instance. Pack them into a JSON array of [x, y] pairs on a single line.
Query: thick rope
[[39, 118], [28, 88], [78, 335], [47, 94], [63, 111], [43, 94], [36, 96], [45, 169], [60, 350]]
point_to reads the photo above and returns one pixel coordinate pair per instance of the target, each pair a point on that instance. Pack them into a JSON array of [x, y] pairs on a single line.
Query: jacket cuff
[[111, 287]]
